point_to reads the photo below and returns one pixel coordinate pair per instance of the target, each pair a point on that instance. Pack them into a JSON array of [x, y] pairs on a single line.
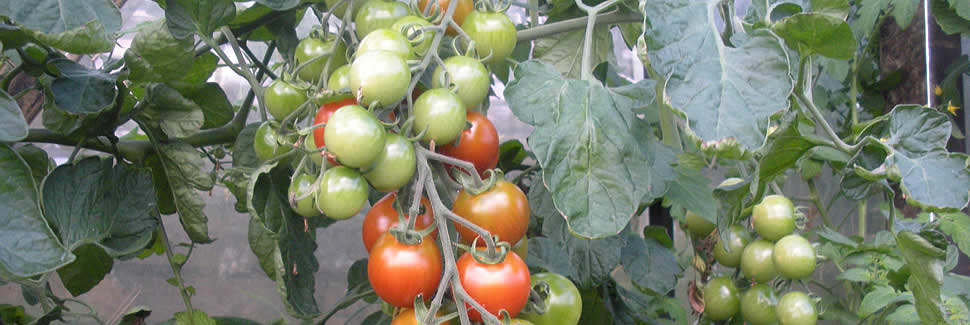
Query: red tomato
[[503, 211], [478, 144], [407, 317], [399, 272], [382, 217], [323, 115], [505, 285]]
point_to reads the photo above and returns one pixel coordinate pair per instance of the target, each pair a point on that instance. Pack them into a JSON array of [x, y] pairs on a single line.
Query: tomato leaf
[[81, 91], [581, 140], [244, 163], [855, 275], [812, 33], [216, 108], [195, 317], [691, 190], [279, 5], [962, 8], [183, 168], [957, 226], [171, 112], [22, 218], [784, 150], [949, 20], [586, 261], [280, 242], [90, 267], [565, 50], [13, 127], [38, 160], [725, 92], [157, 56], [880, 297], [187, 17], [76, 26], [926, 267], [649, 264], [94, 201]]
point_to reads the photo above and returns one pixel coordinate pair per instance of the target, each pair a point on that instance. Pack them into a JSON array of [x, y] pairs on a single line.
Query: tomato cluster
[[776, 252]]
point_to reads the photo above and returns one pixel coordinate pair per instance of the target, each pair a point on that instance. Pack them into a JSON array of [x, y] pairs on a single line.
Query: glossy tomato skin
[[564, 304], [282, 98], [301, 195], [493, 32], [355, 136], [407, 317], [794, 257], [382, 217], [737, 238], [381, 77], [468, 74], [503, 211], [796, 308], [441, 113], [721, 299], [377, 14], [505, 285], [342, 193], [386, 39], [464, 7], [267, 143], [340, 79], [774, 217], [310, 48], [758, 305], [478, 144], [698, 226], [409, 24], [395, 166], [399, 272], [323, 115], [756, 261]]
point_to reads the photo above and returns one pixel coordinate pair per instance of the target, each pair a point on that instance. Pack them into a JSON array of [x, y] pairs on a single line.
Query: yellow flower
[[938, 91], [952, 108]]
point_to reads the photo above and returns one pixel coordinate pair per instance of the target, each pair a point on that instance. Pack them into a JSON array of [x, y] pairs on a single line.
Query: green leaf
[[649, 264], [836, 237], [157, 56], [904, 11], [279, 5], [135, 315], [76, 26], [168, 110], [581, 140], [820, 34], [13, 127], [244, 162], [30, 246], [511, 153], [588, 261], [216, 108], [868, 13], [92, 201], [915, 130], [692, 190], [785, 149], [188, 162], [14, 315], [662, 162], [962, 8], [880, 297], [948, 19], [187, 17], [725, 92], [183, 168], [855, 275], [197, 317], [926, 267], [837, 8], [565, 50], [90, 267], [38, 160], [283, 247], [957, 226], [80, 90]]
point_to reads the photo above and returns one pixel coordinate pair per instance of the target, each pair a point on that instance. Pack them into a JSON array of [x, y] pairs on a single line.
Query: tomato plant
[[721, 299], [504, 285], [355, 136], [758, 305], [382, 216], [386, 39], [282, 98], [377, 14], [756, 261], [794, 257], [390, 260], [394, 166], [729, 252], [561, 301], [477, 144], [469, 77], [380, 76], [493, 33], [796, 308], [774, 217], [342, 193], [503, 211], [319, 51]]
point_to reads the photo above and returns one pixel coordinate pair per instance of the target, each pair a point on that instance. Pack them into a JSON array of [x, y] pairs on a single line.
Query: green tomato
[[310, 48], [518, 321], [758, 305], [796, 308], [561, 299], [411, 24], [395, 165], [737, 238], [386, 39], [794, 257], [342, 9], [493, 32], [340, 78], [309, 144], [441, 113], [698, 226], [773, 218], [342, 193], [301, 195], [721, 299], [282, 98], [756, 261], [355, 136], [268, 144], [468, 74], [377, 14], [381, 76]]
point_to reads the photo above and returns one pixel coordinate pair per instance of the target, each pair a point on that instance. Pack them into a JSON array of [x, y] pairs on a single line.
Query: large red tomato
[[399, 272], [323, 115], [505, 285], [382, 217], [478, 144], [502, 211]]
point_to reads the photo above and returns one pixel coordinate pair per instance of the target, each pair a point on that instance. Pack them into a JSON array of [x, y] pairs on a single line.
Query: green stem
[[862, 218], [176, 269], [533, 13], [804, 94], [613, 17], [818, 202]]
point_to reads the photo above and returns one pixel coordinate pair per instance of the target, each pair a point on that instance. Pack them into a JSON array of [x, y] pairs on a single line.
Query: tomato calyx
[[538, 298], [493, 5], [489, 255], [475, 185], [421, 312], [326, 96], [410, 236]]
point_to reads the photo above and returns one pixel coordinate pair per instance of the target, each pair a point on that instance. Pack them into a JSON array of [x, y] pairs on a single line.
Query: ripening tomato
[[399, 272], [342, 193], [380, 76], [301, 195], [477, 144], [503, 211], [394, 166], [493, 33], [382, 216], [386, 39], [441, 114], [323, 115], [355, 136], [462, 9], [505, 285], [470, 77], [407, 317]]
